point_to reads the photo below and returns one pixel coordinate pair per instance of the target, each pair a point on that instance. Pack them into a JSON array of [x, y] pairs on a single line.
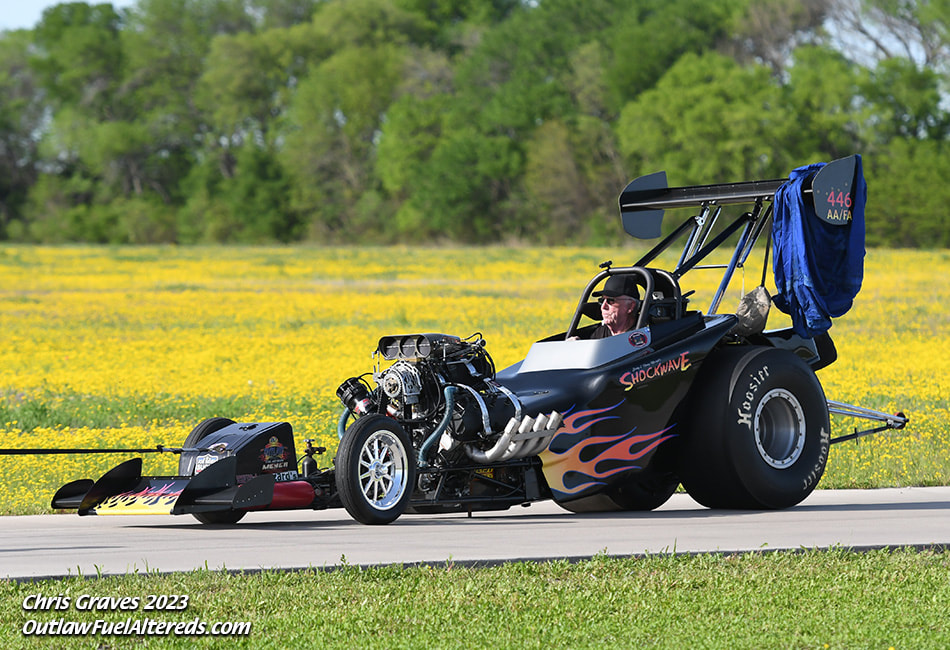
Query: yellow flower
[[132, 347]]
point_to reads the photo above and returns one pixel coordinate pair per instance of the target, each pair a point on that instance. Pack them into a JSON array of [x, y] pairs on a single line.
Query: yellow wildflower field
[[107, 347]]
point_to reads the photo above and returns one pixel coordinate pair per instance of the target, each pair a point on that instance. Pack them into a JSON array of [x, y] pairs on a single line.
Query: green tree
[[455, 11], [906, 197], [79, 56], [441, 152], [79, 59], [830, 116], [334, 119], [241, 90], [240, 184], [21, 117], [709, 120], [283, 13], [769, 31], [249, 204], [408, 137], [463, 206], [554, 184], [457, 25], [650, 36], [476, 120], [906, 101]]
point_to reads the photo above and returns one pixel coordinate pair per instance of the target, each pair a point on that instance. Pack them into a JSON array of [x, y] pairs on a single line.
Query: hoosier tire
[[759, 434], [375, 470]]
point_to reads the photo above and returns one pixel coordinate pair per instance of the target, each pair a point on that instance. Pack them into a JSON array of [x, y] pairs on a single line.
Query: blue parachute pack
[[819, 244]]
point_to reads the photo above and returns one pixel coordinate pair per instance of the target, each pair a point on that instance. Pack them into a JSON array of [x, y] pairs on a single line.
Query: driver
[[619, 301]]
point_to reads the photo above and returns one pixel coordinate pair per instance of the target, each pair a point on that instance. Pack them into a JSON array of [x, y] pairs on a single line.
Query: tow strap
[[152, 450]]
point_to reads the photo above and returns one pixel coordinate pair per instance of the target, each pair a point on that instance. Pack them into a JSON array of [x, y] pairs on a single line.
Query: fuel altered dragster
[[709, 400]]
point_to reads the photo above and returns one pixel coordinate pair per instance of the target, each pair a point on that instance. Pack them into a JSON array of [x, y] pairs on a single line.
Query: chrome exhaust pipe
[[523, 437]]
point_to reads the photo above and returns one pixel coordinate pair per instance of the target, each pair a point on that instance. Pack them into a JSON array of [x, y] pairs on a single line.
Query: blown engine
[[442, 390]]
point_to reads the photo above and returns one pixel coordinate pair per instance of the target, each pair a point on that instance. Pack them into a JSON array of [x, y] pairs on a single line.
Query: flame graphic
[[151, 499], [571, 471], [570, 424]]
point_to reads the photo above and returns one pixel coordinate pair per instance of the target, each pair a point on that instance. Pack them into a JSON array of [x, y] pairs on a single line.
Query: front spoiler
[[124, 491]]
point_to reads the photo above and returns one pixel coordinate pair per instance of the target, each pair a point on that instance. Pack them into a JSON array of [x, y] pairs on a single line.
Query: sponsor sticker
[[204, 461], [639, 339], [274, 456]]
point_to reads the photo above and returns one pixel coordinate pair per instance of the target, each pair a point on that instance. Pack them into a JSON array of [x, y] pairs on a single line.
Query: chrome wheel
[[374, 470], [382, 470], [780, 428]]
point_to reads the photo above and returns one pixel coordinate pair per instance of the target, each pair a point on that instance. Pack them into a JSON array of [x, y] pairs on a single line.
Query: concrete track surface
[[59, 545]]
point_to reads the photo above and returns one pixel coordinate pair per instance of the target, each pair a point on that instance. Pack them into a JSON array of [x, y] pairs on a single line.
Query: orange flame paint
[[621, 456]]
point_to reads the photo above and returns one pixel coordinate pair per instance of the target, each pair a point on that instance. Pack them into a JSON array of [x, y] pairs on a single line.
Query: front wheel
[[759, 435], [375, 471]]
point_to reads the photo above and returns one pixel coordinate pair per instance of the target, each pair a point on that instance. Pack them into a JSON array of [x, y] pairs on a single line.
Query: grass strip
[[808, 599]]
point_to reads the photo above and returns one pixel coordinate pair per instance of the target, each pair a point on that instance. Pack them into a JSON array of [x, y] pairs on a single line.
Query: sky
[[24, 14]]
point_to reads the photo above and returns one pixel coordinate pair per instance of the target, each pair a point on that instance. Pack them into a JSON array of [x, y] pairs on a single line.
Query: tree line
[[377, 121]]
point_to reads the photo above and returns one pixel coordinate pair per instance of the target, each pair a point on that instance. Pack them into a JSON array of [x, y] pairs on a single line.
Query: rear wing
[[643, 201], [831, 190]]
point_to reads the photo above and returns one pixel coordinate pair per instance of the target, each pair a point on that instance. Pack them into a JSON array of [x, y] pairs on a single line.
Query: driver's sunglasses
[[610, 300]]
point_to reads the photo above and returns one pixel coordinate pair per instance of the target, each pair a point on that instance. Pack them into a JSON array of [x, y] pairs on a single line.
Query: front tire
[[760, 433], [186, 467], [220, 517], [375, 470]]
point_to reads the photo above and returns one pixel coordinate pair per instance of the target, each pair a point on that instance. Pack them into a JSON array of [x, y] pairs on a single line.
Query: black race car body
[[620, 398], [710, 401]]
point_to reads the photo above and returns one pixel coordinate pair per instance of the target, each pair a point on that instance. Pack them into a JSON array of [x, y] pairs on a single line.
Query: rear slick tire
[[759, 434], [375, 470]]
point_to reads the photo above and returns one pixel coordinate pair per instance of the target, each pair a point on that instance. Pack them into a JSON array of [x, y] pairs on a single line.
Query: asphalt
[[59, 545]]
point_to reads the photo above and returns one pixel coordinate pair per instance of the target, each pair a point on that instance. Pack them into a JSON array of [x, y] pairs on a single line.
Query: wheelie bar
[[891, 421]]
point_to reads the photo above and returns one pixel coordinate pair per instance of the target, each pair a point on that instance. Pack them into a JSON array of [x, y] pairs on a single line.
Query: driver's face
[[616, 310]]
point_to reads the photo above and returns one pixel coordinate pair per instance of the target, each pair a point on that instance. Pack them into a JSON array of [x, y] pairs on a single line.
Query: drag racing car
[[707, 400]]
